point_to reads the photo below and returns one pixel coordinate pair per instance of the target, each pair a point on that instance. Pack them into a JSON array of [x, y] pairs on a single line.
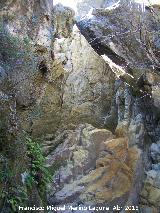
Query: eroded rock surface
[[97, 117], [151, 191], [118, 33], [108, 30], [97, 168]]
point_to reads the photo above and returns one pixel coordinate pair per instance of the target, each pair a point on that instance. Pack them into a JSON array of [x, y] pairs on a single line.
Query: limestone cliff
[[80, 105]]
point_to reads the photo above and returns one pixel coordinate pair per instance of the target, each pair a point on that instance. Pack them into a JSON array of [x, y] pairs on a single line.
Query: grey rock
[[3, 75], [90, 160], [85, 7], [155, 152], [110, 31], [63, 19], [156, 167], [151, 191]]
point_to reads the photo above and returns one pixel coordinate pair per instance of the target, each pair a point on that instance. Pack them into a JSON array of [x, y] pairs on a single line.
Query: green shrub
[[11, 197], [14, 197], [39, 173]]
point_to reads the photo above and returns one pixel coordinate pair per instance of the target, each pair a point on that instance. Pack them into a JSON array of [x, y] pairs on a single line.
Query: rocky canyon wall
[[79, 94]]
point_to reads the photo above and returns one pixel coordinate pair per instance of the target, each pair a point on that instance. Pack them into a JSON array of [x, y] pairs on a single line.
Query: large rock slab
[[120, 30], [150, 195], [95, 168]]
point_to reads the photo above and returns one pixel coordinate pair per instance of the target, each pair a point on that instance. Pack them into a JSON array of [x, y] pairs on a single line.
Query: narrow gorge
[[79, 106]]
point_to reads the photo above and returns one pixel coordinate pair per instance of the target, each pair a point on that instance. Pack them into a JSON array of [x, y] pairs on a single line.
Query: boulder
[[94, 168], [118, 32], [151, 192]]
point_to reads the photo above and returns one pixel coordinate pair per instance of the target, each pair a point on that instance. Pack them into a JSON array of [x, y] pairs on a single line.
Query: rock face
[[54, 79], [81, 83], [89, 97], [63, 20], [97, 169], [111, 29], [155, 149], [85, 7], [67, 82], [151, 190], [89, 94]]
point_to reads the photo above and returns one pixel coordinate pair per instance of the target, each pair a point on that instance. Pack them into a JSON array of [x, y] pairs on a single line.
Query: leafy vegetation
[[39, 173], [15, 194], [14, 197], [11, 195], [55, 166]]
